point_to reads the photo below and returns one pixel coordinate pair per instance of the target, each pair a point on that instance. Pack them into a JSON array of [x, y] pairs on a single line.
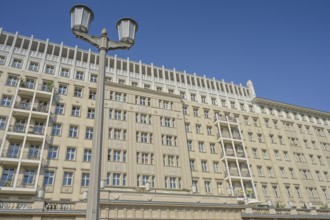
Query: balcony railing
[[45, 88], [15, 153], [31, 155], [7, 183], [23, 105], [16, 205], [27, 85], [59, 206], [18, 128], [37, 129], [25, 183], [40, 108]]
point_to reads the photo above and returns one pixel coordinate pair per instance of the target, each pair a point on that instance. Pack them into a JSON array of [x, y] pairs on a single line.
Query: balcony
[[245, 173], [27, 85], [25, 183], [31, 155], [7, 182], [37, 130], [17, 128], [14, 153], [40, 108], [23, 105]]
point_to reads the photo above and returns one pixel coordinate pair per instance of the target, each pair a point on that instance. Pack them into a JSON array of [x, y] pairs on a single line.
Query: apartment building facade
[[176, 145]]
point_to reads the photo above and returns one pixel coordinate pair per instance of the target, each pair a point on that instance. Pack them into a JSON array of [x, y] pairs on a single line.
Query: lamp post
[[81, 18]]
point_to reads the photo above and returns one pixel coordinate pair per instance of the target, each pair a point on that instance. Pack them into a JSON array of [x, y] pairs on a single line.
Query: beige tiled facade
[[176, 145]]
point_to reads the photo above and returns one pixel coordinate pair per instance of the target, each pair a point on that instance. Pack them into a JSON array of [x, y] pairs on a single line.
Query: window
[[56, 129], [195, 112], [2, 60], [92, 94], [28, 178], [140, 100], [270, 172], [87, 155], [12, 81], [75, 111], [93, 78], [79, 75], [34, 152], [193, 97], [277, 155], [255, 153], [192, 165], [6, 101], [204, 166], [206, 113], [3, 120], [198, 129], [89, 133], [17, 63], [292, 174], [260, 171], [207, 186], [201, 146], [91, 113], [203, 98], [70, 153], [275, 190], [212, 148], [282, 172], [64, 72], [67, 179], [288, 191], [34, 66], [265, 190], [214, 101], [63, 89], [49, 69], [286, 155], [48, 178], [77, 92], [59, 109], [73, 131], [52, 152], [298, 191], [189, 145], [185, 110], [187, 127], [116, 179], [209, 130], [85, 179], [216, 167]]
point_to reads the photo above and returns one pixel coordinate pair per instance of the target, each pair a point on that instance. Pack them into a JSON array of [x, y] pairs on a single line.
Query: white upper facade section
[[45, 54]]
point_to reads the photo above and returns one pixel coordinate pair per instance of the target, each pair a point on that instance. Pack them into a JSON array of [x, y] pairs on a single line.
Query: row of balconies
[[28, 154], [234, 172], [22, 128], [38, 107]]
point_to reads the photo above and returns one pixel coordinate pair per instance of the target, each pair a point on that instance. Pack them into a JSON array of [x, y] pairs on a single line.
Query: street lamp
[[81, 18]]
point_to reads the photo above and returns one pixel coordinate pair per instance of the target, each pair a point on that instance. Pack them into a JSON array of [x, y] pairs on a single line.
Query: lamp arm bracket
[[113, 45], [95, 41]]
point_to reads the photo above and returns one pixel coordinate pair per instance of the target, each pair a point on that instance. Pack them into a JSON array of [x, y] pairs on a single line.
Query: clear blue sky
[[283, 46]]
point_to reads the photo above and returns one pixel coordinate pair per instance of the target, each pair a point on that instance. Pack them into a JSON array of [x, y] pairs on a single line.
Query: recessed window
[[93, 78], [77, 92], [52, 152], [17, 63], [67, 179], [12, 80], [50, 69], [70, 153], [64, 72], [34, 66], [79, 75], [62, 89], [2, 60], [6, 101]]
